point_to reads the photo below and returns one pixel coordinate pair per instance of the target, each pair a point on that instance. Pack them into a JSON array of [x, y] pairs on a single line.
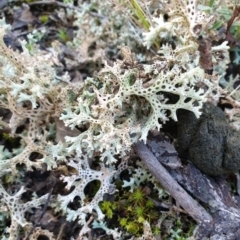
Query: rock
[[210, 142]]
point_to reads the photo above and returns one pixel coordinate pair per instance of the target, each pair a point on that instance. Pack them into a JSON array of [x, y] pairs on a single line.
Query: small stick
[[193, 208]]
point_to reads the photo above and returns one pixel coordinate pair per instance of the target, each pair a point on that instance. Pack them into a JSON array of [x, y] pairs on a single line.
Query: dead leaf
[[22, 17], [62, 131]]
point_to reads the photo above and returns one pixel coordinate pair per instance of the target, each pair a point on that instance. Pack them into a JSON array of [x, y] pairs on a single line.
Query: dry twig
[[195, 210]]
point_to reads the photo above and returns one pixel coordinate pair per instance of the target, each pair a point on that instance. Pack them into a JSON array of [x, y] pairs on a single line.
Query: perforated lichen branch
[[79, 182], [38, 232], [30, 88], [122, 107], [31, 92], [18, 209], [50, 153], [185, 23]]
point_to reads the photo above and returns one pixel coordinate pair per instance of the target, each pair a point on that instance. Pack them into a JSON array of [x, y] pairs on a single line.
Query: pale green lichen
[[124, 107], [17, 209]]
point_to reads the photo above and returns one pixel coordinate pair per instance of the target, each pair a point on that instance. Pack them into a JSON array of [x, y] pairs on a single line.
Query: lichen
[[91, 126]]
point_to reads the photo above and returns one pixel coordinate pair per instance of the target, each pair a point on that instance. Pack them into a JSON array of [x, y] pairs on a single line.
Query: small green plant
[[10, 139], [132, 210], [62, 35], [44, 18], [139, 15], [108, 208]]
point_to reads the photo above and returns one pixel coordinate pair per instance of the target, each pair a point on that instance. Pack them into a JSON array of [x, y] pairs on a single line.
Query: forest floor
[[48, 19]]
